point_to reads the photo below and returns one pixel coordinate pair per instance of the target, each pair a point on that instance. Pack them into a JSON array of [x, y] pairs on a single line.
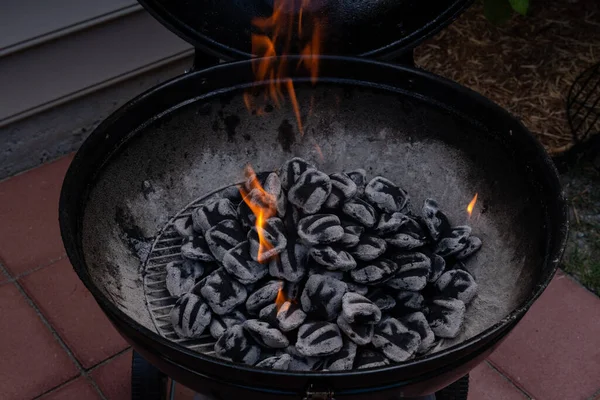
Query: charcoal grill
[[159, 155]]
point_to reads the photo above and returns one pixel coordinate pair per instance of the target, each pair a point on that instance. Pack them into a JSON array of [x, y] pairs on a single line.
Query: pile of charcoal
[[352, 276]]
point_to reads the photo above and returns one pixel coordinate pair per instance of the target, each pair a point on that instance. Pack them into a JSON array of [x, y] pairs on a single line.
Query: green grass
[[585, 267]]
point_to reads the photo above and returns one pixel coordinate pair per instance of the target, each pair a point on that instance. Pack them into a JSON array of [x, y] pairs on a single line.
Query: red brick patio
[[56, 344]]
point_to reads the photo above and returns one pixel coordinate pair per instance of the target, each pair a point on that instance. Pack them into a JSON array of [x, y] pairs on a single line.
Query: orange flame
[[263, 208], [276, 36], [280, 300], [471, 205]]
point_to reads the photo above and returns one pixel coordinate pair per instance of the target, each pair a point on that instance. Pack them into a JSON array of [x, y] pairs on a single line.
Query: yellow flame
[[280, 300], [471, 205]]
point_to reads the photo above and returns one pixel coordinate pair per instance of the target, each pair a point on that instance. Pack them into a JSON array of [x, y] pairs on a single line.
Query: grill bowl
[[192, 135]]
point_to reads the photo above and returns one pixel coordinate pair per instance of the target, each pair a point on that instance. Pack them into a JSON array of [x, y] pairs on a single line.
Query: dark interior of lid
[[376, 28]]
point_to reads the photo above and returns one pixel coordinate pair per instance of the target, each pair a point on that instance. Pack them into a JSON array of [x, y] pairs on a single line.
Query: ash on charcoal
[[269, 314], [181, 276], [318, 339], [351, 235], [232, 193], [190, 316], [322, 297], [310, 191], [357, 288], [273, 232], [290, 316], [300, 362], [291, 170], [343, 360], [390, 223], [395, 340], [258, 199], [386, 196], [438, 266], [291, 263], [223, 237], [208, 215], [320, 229], [342, 189], [263, 297], [358, 309], [361, 334], [435, 220], [458, 284], [332, 259], [413, 271], [472, 246], [366, 358], [266, 335], [454, 241], [196, 248], [375, 272], [184, 226], [238, 263], [418, 323], [280, 362], [220, 323], [272, 186], [408, 302], [237, 345], [446, 316], [369, 248], [382, 299], [359, 177], [361, 212], [317, 269], [222, 293]]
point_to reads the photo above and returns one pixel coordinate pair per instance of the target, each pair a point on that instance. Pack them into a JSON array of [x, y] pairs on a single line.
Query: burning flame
[[275, 38], [280, 300], [263, 208], [471, 205]]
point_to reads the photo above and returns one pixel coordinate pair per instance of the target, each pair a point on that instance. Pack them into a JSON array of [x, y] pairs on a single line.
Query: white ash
[[352, 277]]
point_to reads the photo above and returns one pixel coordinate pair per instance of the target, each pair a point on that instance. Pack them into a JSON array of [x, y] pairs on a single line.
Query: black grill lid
[[372, 28]]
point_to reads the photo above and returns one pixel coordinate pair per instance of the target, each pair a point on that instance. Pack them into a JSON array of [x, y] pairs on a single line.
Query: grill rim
[[84, 170]]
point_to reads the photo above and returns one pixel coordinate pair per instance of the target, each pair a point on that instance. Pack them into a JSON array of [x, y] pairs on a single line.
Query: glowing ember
[[471, 205], [263, 209], [277, 32], [280, 300]]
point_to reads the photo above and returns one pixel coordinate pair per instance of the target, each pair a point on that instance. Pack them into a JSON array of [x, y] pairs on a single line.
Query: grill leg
[[457, 391], [147, 382]]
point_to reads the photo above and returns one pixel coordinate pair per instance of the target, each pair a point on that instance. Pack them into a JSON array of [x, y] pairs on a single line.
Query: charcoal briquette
[[232, 193], [413, 271], [291, 170], [342, 189], [417, 322], [381, 299], [318, 338], [310, 192], [369, 248], [196, 248], [359, 309], [181, 276], [409, 236], [357, 288], [280, 362], [238, 263], [446, 316], [435, 220], [220, 323], [351, 235], [386, 196], [223, 237], [300, 362], [359, 177], [473, 245], [269, 314], [290, 316], [390, 223], [438, 266], [222, 293], [455, 241], [360, 211], [190, 316], [317, 269], [272, 186], [258, 199], [322, 297], [291, 263], [343, 360], [320, 229], [374, 272], [408, 302], [366, 358], [237, 345], [395, 340], [265, 334], [361, 334], [184, 226], [273, 232], [332, 258], [458, 284], [263, 297], [210, 214]]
